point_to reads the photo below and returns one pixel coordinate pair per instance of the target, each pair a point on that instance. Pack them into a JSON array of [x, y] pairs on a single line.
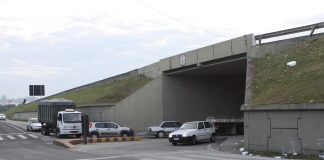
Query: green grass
[[106, 92], [274, 82]]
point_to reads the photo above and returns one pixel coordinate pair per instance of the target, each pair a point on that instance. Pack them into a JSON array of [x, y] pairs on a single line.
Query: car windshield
[[189, 126], [34, 121], [72, 117]]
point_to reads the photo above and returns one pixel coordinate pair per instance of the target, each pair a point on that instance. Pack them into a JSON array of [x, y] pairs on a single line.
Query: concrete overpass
[[216, 81]]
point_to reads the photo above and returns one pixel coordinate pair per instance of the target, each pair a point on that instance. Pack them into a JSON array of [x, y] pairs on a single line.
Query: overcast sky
[[67, 43]]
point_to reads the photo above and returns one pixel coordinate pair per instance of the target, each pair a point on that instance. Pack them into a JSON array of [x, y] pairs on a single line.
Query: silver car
[[33, 124], [2, 116]]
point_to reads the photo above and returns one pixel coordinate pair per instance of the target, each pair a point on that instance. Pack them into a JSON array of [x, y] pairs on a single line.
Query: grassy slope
[[276, 83], [108, 92]]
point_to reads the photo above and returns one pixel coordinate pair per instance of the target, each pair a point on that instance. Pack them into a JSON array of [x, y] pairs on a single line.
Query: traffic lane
[[7, 128], [37, 149]]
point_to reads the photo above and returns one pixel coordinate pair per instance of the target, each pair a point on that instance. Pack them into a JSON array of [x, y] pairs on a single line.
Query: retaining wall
[[285, 128], [24, 116]]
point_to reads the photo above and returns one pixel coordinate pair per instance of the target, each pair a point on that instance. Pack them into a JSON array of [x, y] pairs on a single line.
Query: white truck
[[58, 116]]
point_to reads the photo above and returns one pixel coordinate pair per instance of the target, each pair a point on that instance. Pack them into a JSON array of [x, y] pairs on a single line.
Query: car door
[[208, 129], [102, 130], [200, 131], [112, 129], [167, 127]]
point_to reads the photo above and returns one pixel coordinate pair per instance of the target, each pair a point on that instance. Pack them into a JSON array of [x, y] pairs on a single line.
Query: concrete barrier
[[70, 143]]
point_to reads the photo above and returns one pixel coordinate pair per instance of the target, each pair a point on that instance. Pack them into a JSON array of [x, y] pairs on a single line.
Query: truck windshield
[[72, 117]]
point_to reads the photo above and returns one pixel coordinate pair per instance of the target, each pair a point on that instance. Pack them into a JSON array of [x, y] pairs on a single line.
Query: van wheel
[[193, 140], [212, 138], [160, 134]]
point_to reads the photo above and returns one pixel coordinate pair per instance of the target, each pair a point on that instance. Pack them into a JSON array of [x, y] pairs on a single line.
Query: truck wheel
[[58, 134], [43, 131], [174, 143], [27, 129], [160, 134]]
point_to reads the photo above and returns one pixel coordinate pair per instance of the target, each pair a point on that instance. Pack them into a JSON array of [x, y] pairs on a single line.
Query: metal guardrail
[[311, 28]]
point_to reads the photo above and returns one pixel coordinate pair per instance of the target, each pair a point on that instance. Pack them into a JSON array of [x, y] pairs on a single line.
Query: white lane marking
[[22, 136], [210, 148], [138, 155], [1, 139], [147, 159], [209, 157], [11, 137], [237, 156], [177, 158], [31, 135], [15, 127]]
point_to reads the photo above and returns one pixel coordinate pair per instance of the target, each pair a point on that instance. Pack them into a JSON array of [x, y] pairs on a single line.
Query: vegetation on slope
[[105, 92], [275, 83]]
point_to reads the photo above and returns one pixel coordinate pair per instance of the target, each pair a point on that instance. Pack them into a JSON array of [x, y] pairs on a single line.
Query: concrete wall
[[140, 110], [287, 130], [24, 116], [188, 98]]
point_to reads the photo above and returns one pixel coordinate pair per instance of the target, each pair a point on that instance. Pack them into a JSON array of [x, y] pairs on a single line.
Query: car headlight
[[170, 135]]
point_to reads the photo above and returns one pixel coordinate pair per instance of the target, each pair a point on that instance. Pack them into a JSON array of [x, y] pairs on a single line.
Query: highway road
[[17, 144]]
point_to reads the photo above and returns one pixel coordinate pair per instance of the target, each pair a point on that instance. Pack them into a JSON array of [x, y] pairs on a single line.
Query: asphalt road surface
[[160, 149], [17, 144]]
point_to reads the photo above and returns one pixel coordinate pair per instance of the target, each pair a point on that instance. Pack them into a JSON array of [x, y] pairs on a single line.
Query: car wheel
[[94, 136], [212, 138], [160, 134], [174, 143], [193, 140], [124, 135]]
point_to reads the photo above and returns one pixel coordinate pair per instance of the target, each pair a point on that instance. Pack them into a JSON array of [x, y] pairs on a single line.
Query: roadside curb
[[70, 143]]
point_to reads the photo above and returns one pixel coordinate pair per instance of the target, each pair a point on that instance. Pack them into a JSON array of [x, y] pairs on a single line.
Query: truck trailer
[[59, 116]]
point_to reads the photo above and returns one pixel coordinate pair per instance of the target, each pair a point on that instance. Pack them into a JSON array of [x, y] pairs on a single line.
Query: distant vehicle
[[191, 132], [2, 116], [108, 129], [58, 116], [163, 129], [33, 125]]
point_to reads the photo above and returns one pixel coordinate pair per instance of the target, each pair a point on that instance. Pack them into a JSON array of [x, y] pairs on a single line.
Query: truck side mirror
[[59, 118]]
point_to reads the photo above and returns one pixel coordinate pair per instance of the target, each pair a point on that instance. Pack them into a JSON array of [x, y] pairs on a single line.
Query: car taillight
[[90, 125]]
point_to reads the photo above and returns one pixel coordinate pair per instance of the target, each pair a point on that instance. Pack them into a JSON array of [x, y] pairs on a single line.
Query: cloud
[[21, 68]]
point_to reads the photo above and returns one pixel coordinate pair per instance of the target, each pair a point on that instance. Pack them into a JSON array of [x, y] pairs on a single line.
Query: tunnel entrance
[[214, 90]]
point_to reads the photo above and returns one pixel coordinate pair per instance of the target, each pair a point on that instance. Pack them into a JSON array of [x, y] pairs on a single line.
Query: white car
[[2, 116], [163, 129], [191, 132], [33, 124], [108, 129]]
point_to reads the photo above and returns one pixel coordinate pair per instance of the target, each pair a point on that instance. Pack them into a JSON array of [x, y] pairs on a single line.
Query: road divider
[[70, 143]]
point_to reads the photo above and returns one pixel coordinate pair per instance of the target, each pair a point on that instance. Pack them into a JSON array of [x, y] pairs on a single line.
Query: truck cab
[[69, 123]]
